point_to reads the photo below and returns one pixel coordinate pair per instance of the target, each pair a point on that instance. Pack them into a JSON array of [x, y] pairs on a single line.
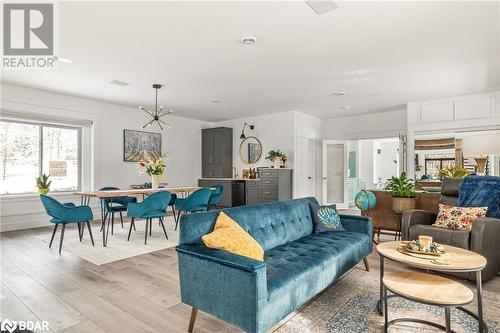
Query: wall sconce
[[243, 136]]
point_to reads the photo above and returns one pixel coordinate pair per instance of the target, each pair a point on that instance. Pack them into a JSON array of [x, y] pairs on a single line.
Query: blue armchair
[[153, 206], [115, 205], [215, 196], [65, 214], [298, 264], [196, 202]]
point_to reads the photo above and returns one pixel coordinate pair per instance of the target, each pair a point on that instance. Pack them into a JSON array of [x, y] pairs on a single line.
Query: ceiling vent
[[119, 83]]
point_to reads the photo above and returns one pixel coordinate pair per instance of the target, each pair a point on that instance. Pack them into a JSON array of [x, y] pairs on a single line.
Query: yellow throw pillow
[[230, 236]]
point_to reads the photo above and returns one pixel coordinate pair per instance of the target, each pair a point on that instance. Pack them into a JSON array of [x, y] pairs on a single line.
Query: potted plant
[[43, 183], [275, 157], [403, 193], [455, 172], [154, 168]]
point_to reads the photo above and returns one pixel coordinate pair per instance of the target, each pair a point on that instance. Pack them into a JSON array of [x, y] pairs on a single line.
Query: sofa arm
[[356, 223], [484, 235], [415, 216], [221, 257], [225, 285]]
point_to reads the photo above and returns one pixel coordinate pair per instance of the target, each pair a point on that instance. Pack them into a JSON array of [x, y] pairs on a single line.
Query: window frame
[[41, 125]]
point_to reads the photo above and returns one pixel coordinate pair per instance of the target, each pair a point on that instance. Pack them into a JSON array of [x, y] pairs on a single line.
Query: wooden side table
[[458, 260], [426, 289]]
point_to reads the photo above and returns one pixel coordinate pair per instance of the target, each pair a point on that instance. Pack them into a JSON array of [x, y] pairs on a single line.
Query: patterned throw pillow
[[230, 236], [326, 218], [458, 218]]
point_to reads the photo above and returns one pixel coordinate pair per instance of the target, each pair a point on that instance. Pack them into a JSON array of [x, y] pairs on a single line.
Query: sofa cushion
[[270, 224], [442, 236], [300, 269]]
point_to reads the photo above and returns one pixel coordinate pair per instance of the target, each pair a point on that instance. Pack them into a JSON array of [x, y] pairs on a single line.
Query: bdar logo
[[8, 326]]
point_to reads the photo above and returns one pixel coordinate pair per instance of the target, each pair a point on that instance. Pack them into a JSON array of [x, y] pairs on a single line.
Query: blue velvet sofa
[[298, 264]]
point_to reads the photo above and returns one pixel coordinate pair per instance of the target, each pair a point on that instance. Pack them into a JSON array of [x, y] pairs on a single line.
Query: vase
[[400, 205], [276, 163], [43, 190], [155, 181]]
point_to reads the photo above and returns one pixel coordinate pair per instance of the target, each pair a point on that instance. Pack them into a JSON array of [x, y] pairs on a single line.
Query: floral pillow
[[458, 218]]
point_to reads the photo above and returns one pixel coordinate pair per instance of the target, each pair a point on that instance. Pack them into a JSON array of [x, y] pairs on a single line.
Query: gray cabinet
[[226, 197], [275, 184], [217, 152], [252, 192]]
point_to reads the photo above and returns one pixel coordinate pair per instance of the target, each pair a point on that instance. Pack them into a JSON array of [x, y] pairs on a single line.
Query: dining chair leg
[[150, 225], [53, 234], [79, 231], [163, 226], [82, 229], [90, 232], [62, 236], [146, 232], [130, 229], [112, 222], [177, 219], [173, 212], [104, 220], [121, 218], [133, 223]]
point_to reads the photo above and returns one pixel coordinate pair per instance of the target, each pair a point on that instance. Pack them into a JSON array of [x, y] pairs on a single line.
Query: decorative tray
[[435, 249]]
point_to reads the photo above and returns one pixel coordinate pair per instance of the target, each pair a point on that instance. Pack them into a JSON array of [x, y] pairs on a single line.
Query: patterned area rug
[[349, 306], [118, 247]]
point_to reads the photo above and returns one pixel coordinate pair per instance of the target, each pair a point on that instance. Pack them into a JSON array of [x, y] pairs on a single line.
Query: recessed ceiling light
[[215, 101], [340, 93], [63, 60], [376, 94], [248, 40], [119, 83], [345, 107]]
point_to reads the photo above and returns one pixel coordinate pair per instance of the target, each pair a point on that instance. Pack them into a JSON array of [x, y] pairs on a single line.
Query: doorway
[[305, 168]]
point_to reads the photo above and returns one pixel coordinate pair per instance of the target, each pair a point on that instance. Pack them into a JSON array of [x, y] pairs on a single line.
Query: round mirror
[[250, 150]]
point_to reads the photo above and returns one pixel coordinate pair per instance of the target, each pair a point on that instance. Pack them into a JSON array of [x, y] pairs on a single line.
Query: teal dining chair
[[196, 202], [215, 197], [115, 205], [67, 213], [153, 206]]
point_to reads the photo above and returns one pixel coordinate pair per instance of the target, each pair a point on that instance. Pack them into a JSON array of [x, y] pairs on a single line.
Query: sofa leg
[[365, 261], [194, 312]]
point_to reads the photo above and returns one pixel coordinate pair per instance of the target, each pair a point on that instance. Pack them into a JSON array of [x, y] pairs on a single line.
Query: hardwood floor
[[139, 294]]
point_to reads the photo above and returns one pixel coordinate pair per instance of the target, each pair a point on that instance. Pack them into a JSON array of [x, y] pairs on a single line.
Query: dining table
[[85, 196]]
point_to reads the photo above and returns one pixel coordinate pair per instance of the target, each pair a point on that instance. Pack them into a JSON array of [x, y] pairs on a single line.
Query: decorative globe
[[365, 200]]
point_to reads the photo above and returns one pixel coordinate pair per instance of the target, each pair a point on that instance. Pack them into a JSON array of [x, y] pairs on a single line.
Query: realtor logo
[[28, 29], [29, 35], [8, 326]]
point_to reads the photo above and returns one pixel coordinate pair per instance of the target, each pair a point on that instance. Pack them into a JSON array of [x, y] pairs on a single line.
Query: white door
[[304, 170], [335, 165]]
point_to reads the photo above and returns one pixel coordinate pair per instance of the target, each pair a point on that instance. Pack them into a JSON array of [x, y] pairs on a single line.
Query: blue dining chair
[[66, 213], [215, 197], [153, 206], [115, 205], [172, 203], [196, 202]]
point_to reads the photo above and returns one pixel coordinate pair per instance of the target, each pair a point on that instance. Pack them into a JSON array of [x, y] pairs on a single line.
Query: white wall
[[104, 148], [275, 131]]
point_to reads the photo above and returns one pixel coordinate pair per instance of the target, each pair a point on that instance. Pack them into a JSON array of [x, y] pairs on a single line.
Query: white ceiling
[[383, 54]]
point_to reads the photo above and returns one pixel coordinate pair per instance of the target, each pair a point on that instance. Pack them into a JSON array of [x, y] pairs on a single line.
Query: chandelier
[[157, 113]]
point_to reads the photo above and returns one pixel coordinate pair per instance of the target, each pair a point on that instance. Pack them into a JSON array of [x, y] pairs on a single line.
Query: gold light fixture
[[157, 113]]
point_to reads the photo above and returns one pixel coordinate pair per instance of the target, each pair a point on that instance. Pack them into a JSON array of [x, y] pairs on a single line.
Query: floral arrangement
[[153, 167], [455, 172]]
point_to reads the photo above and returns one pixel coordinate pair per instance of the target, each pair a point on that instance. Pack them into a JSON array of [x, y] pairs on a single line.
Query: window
[[29, 149], [436, 162]]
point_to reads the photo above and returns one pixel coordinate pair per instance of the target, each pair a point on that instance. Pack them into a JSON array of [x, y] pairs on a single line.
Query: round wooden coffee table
[[456, 260], [427, 289]]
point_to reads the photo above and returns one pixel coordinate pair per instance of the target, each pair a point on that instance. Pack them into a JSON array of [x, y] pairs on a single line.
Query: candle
[[425, 241]]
